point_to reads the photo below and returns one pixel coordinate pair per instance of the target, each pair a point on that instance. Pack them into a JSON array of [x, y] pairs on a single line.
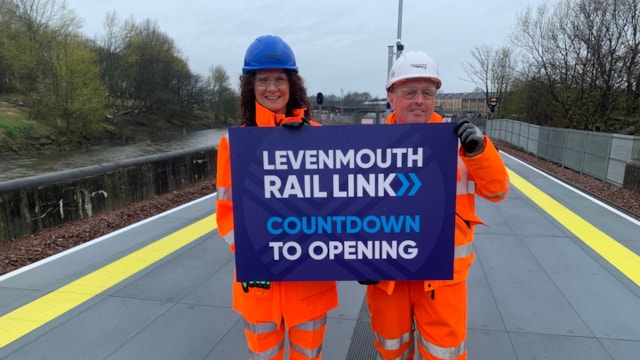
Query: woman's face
[[271, 88]]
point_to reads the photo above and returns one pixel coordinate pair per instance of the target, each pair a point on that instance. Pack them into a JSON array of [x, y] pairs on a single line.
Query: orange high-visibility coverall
[[440, 306], [302, 306]]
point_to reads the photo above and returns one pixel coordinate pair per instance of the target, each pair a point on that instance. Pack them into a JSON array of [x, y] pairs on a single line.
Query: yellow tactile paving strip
[[31, 316], [623, 259]]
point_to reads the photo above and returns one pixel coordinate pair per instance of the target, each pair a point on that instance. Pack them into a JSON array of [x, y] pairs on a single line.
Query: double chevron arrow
[[406, 183]]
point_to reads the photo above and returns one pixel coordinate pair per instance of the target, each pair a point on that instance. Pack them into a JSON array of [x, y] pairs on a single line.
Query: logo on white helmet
[[420, 66]]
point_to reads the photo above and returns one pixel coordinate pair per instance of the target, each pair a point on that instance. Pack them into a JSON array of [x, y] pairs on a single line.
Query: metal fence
[[601, 155]]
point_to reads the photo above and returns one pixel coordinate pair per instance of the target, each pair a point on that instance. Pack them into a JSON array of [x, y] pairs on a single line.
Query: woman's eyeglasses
[[265, 81]]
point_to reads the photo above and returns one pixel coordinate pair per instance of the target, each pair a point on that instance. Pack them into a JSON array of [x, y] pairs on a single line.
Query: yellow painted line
[[31, 316], [623, 259]]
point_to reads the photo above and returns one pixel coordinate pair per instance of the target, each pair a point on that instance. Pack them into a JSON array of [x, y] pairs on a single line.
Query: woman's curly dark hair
[[297, 96]]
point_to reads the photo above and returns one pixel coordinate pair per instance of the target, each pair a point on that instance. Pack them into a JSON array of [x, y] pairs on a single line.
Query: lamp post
[[399, 48], [399, 45]]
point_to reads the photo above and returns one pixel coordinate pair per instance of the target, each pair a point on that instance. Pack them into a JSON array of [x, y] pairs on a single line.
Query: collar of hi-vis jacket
[[266, 117], [434, 118]]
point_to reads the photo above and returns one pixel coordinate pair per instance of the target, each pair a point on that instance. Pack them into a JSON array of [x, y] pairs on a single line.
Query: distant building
[[461, 103]]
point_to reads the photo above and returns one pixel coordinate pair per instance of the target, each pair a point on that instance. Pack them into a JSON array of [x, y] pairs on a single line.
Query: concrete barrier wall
[[604, 156], [632, 176], [31, 204]]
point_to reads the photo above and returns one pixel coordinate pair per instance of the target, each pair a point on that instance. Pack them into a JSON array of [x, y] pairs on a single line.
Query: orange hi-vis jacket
[[484, 175], [297, 302]]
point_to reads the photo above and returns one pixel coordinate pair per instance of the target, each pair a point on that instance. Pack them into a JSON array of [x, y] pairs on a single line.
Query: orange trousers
[[440, 317], [266, 339]]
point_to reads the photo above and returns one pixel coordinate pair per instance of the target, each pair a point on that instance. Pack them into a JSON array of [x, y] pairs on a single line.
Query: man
[[438, 307]]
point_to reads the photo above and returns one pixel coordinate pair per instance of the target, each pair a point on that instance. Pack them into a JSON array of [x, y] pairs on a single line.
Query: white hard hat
[[414, 64]]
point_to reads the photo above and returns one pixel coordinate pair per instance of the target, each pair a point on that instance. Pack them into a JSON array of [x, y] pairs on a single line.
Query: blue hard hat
[[269, 52]]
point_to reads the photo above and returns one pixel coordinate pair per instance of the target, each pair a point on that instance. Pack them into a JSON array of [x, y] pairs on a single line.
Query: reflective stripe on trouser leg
[[395, 344], [442, 352], [306, 339], [265, 340], [392, 323], [441, 322]]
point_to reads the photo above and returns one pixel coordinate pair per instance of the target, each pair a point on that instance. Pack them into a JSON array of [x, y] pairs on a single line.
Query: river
[[32, 165]]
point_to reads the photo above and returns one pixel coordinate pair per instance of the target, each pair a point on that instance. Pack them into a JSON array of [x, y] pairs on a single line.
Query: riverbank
[[20, 136]]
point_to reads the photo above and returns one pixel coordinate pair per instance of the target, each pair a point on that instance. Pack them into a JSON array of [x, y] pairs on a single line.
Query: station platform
[[556, 276]]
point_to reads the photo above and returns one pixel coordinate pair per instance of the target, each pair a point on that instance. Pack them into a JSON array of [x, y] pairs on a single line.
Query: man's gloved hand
[[471, 137], [258, 284], [368, 282]]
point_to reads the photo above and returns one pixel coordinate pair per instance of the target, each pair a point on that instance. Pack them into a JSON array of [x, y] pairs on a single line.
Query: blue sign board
[[344, 202]]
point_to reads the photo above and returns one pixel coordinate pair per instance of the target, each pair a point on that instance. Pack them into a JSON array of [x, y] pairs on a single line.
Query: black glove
[[258, 284], [295, 122], [471, 137], [368, 282]]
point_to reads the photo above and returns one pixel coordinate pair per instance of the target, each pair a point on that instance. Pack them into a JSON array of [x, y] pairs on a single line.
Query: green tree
[[55, 71], [79, 94], [153, 68], [222, 100], [32, 29]]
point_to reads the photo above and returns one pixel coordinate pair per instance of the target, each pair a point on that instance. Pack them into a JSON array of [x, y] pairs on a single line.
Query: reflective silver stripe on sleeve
[[311, 354], [442, 352], [224, 193], [497, 196], [267, 354], [465, 187], [393, 344], [260, 328], [230, 239], [312, 325], [463, 250]]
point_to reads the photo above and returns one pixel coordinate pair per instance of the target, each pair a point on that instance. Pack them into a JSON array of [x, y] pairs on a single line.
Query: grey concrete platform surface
[[536, 291]]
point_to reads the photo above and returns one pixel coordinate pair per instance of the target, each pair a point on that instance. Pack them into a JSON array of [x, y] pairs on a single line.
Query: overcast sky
[[340, 45]]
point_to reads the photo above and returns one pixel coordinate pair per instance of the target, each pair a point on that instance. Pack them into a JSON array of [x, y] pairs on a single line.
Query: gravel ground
[[34, 247], [31, 248], [618, 197]]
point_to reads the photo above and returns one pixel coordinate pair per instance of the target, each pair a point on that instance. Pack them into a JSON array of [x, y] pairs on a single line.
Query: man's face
[[413, 100]]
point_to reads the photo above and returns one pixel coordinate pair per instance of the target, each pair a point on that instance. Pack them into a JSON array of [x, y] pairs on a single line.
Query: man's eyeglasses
[[264, 82], [410, 93]]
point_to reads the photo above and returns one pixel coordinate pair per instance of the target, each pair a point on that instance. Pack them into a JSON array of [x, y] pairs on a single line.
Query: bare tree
[[110, 49], [585, 53], [479, 69], [491, 70], [355, 98], [503, 72]]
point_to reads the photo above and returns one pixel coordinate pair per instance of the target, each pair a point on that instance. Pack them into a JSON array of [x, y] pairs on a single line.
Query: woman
[[273, 94]]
